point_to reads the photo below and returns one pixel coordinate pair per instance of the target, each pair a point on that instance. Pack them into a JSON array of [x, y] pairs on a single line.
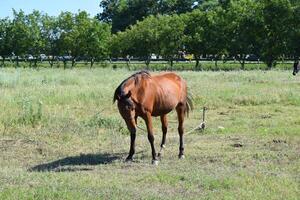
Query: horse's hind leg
[[164, 127], [180, 113]]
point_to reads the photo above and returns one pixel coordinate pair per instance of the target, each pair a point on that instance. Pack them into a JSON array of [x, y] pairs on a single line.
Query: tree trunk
[[171, 63], [270, 63], [128, 63], [17, 62], [147, 62], [57, 62], [198, 65], [35, 63], [3, 60], [65, 63], [92, 62], [243, 64], [242, 60], [73, 62], [216, 64], [51, 61]]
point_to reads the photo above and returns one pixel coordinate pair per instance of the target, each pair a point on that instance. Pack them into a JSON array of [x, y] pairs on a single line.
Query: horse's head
[[296, 68], [125, 95], [125, 105]]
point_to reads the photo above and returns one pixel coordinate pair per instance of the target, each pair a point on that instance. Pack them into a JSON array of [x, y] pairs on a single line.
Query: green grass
[[62, 138]]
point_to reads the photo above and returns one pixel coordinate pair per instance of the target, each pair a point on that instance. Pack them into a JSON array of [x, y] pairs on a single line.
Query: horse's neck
[[141, 86]]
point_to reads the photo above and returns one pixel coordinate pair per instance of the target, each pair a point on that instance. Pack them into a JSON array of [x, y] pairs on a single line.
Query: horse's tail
[[189, 104]]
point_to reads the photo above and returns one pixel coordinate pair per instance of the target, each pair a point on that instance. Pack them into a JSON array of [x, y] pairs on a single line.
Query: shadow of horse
[[69, 163]]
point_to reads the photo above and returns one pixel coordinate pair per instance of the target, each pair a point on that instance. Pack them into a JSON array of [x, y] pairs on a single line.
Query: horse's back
[[173, 89], [169, 78]]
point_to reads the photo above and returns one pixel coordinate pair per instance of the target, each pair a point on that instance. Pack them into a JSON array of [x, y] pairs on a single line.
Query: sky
[[51, 7]]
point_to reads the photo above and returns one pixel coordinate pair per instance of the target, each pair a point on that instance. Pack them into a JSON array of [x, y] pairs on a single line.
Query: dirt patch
[[279, 141], [237, 145]]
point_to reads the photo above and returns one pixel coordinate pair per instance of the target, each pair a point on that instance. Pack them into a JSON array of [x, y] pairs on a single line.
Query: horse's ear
[[116, 97], [128, 94]]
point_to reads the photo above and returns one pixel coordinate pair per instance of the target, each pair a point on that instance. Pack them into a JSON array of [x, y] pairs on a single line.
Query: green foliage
[[242, 33], [83, 36], [161, 35], [144, 38], [294, 34], [219, 28], [100, 121], [214, 29], [31, 113], [5, 45], [194, 40], [122, 14], [19, 34], [273, 38], [171, 34]]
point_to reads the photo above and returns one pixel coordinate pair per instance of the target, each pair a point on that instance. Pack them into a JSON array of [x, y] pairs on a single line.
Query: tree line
[[269, 29], [67, 35]]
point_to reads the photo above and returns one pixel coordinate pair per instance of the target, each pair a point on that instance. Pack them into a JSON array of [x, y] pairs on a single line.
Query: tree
[[118, 47], [145, 37], [214, 36], [19, 35], [243, 27], [171, 34], [206, 5], [50, 36], [121, 45], [276, 15], [140, 40], [123, 13], [66, 37], [205, 33], [194, 34], [35, 44], [294, 33], [177, 6], [5, 45], [81, 35], [97, 40]]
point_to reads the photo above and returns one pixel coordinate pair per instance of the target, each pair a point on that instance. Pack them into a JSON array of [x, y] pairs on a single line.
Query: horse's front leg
[[164, 127], [148, 120], [132, 128]]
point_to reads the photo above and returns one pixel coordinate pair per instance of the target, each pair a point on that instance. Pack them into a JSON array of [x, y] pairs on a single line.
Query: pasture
[[62, 138]]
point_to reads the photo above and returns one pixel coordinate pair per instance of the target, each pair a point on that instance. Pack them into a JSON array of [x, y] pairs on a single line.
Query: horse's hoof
[[129, 160], [181, 156], [155, 162]]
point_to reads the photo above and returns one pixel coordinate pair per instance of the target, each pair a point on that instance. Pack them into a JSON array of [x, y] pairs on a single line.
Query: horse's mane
[[120, 89]]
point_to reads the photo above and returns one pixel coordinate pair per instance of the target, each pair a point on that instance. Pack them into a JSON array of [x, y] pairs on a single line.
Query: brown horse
[[145, 95]]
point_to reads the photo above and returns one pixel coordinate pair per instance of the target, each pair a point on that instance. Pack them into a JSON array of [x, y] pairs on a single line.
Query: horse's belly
[[159, 112], [165, 104]]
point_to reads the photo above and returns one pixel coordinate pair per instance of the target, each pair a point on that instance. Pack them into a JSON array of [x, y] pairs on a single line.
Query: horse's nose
[[294, 73]]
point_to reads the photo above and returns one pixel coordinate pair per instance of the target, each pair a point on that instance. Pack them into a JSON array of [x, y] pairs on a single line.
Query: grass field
[[62, 138]]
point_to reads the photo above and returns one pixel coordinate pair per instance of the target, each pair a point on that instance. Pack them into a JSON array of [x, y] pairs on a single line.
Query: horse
[[145, 95], [296, 67]]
